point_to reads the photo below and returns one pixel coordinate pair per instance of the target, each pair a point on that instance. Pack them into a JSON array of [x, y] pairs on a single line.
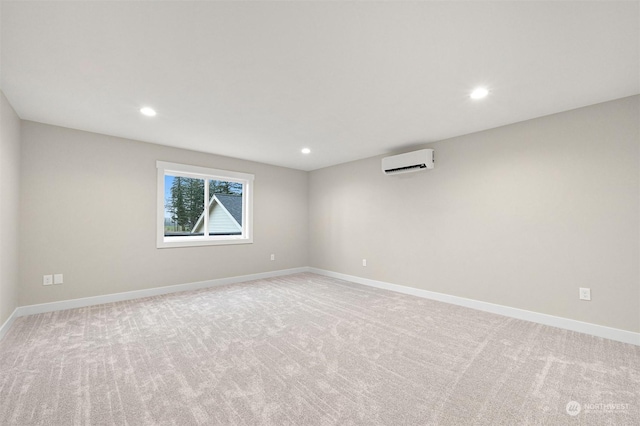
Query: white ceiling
[[261, 80]]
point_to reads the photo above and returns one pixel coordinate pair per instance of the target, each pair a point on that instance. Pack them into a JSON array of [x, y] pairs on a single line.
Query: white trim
[[211, 240], [207, 174], [197, 172], [160, 207], [156, 291], [559, 322], [7, 324], [564, 323]]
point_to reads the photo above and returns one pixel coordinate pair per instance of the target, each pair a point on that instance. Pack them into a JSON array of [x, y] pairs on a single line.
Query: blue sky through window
[[168, 182]]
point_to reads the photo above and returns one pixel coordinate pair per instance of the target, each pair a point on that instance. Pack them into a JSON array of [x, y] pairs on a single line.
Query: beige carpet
[[307, 350]]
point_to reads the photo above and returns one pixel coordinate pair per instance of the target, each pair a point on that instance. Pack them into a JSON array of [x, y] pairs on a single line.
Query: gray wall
[[520, 216], [9, 204], [88, 211]]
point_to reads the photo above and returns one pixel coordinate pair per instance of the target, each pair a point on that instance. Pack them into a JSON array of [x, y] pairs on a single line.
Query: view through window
[[203, 206]]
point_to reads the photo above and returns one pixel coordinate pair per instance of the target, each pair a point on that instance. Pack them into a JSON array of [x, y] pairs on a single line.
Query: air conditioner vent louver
[[408, 162], [406, 168]]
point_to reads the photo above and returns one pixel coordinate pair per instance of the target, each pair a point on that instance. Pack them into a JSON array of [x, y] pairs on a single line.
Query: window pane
[[186, 218], [183, 207], [225, 207]]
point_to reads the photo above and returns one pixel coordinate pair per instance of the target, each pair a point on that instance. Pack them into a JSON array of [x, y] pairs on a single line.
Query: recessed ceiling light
[[306, 151], [149, 112], [479, 93]]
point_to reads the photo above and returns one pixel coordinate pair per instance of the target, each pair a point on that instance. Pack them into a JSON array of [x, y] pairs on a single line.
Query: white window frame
[[188, 171]]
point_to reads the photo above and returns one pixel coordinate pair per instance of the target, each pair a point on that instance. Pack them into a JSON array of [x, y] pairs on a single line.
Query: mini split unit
[[408, 162]]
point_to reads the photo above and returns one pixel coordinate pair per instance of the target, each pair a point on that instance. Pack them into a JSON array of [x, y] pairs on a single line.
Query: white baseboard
[[565, 323], [156, 291], [7, 324]]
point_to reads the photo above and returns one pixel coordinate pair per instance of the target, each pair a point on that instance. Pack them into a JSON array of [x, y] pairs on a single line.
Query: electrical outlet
[[47, 279], [273, 257], [58, 279], [364, 262], [585, 293]]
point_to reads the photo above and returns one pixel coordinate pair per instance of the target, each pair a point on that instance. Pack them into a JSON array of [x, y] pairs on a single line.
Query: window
[[199, 206]]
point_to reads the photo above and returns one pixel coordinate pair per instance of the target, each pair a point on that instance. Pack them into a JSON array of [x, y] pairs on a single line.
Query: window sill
[[200, 241]]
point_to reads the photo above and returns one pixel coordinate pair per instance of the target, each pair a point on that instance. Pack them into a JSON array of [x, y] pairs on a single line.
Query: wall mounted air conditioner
[[408, 162]]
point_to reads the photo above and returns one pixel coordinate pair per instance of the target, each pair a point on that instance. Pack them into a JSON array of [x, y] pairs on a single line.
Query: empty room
[[319, 213]]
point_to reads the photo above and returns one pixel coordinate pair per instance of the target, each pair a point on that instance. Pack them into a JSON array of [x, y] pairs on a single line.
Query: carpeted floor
[[307, 350]]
